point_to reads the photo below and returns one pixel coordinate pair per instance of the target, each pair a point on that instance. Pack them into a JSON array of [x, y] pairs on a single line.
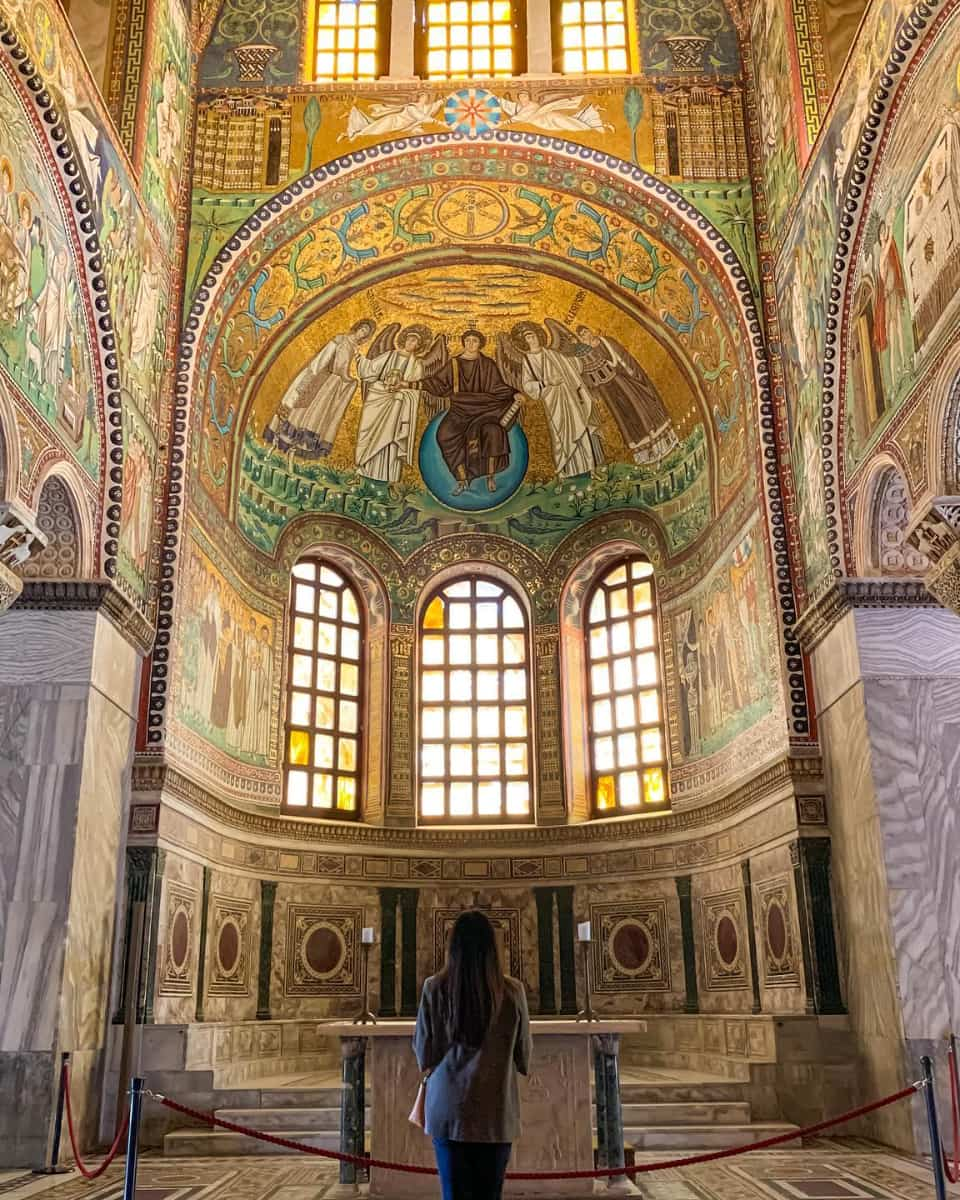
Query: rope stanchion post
[[933, 1121], [133, 1138]]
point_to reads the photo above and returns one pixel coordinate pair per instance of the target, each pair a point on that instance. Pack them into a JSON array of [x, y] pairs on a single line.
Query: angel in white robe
[[390, 380], [545, 368], [561, 114], [85, 132], [384, 119]]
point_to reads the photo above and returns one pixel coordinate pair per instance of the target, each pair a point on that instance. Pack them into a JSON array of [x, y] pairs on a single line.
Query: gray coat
[[472, 1094]]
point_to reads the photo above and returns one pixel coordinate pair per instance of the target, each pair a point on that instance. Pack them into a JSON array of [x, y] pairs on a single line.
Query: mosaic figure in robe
[[481, 407], [545, 367], [390, 381]]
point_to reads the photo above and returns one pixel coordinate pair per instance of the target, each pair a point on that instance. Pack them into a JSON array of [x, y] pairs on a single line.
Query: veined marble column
[[69, 682], [885, 662]]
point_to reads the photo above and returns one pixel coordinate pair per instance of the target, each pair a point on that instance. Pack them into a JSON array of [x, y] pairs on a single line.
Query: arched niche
[[884, 517], [59, 517]]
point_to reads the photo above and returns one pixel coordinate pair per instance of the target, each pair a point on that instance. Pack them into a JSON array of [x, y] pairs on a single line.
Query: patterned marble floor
[[838, 1169]]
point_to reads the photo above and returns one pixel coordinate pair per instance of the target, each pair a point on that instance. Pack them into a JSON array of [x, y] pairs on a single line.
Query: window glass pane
[[461, 799], [328, 603], [351, 610], [627, 750], [300, 705], [461, 588], [298, 750], [646, 669], [600, 678], [323, 750], [606, 796], [322, 790], [630, 789], [461, 722], [514, 685], [297, 788], [461, 685], [488, 648], [512, 614], [516, 758], [488, 685], [643, 632], [349, 716], [350, 679], [622, 674], [602, 716], [649, 707], [432, 763], [489, 798], [654, 786], [326, 638], [652, 745], [349, 643], [325, 712], [326, 674], [433, 650], [304, 598], [461, 649], [461, 758], [303, 633], [518, 799], [347, 754], [603, 753], [433, 617], [488, 758], [620, 637], [599, 642], [626, 712], [431, 799], [460, 616], [331, 577], [432, 723], [305, 570], [433, 685], [488, 616], [598, 607], [488, 722], [515, 721], [302, 670], [346, 793]]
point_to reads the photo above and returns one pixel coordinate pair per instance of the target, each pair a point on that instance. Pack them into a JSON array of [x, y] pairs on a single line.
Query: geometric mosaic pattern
[[825, 1169]]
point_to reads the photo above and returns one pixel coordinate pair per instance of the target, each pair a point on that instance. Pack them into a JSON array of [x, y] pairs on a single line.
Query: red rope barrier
[[88, 1172], [953, 1171], [208, 1118]]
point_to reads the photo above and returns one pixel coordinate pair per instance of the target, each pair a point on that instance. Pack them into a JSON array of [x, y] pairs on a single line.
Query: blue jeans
[[471, 1170]]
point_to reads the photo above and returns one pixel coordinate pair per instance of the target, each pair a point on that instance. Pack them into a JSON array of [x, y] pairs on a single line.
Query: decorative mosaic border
[[726, 263], [55, 135], [906, 56]]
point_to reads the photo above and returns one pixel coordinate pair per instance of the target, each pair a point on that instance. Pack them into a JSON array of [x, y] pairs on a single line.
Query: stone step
[[204, 1143], [325, 1097], [709, 1112], [683, 1093], [691, 1138], [270, 1120]]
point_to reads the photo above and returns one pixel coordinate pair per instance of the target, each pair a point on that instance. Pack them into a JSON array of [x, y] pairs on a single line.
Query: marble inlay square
[[723, 941], [506, 924], [630, 947], [229, 950], [776, 933], [822, 1189], [322, 956], [180, 925]]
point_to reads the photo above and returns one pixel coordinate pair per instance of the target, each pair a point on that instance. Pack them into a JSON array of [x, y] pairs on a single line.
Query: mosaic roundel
[[228, 946], [179, 939], [476, 491], [322, 950], [630, 947], [776, 931], [728, 941]]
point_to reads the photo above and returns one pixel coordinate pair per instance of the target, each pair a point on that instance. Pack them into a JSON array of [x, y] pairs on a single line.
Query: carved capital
[[20, 537], [935, 532]]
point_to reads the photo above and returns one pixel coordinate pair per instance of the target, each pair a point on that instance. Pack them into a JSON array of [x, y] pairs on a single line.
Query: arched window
[[474, 712], [324, 693], [351, 39], [470, 39], [590, 37], [625, 699]]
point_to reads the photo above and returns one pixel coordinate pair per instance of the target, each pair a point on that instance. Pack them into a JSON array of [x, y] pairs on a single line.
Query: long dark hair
[[472, 981]]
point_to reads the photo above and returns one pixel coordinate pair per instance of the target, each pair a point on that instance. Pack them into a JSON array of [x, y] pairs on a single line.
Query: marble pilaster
[[68, 687]]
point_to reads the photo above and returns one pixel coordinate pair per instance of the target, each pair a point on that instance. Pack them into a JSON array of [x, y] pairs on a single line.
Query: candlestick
[[366, 1017]]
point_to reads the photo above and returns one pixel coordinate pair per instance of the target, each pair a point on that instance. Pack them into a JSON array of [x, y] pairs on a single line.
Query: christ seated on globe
[[481, 408]]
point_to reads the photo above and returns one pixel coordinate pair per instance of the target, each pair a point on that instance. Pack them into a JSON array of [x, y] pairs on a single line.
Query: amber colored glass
[[324, 738], [624, 701]]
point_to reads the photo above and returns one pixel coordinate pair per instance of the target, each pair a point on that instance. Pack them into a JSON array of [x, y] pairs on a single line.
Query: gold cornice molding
[[90, 595], [841, 596], [153, 778]]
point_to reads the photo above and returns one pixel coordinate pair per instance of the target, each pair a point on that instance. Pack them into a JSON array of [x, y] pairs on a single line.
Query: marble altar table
[[555, 1107]]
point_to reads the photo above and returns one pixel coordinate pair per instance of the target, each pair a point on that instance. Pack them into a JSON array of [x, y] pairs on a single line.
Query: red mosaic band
[[208, 1118], [89, 1173]]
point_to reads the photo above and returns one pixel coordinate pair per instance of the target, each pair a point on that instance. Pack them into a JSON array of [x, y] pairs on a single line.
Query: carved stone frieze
[[87, 594], [20, 538], [843, 595], [935, 533]]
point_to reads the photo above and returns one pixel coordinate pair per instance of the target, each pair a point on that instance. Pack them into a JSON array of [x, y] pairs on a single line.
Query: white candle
[[366, 935], [583, 931]]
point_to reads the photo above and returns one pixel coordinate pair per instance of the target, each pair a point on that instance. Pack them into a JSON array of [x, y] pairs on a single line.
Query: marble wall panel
[[338, 996], [779, 951], [721, 938], [176, 988], [323, 955], [233, 948]]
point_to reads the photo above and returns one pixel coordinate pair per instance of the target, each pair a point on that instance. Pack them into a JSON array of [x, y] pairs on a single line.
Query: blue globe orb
[[477, 497]]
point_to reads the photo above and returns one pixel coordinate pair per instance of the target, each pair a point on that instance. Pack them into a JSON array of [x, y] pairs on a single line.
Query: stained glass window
[[475, 750], [349, 39], [468, 39], [592, 36], [625, 699], [324, 731]]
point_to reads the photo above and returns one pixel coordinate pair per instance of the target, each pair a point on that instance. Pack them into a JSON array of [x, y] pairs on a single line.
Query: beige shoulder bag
[[418, 1112]]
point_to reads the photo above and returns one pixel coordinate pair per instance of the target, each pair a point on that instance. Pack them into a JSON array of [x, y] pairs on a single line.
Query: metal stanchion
[[53, 1167], [133, 1138], [936, 1146]]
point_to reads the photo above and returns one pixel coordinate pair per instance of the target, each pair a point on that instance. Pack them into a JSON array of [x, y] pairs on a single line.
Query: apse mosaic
[[569, 405]]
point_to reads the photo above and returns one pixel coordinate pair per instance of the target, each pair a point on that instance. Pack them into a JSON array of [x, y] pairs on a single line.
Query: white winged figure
[[559, 114], [402, 116]]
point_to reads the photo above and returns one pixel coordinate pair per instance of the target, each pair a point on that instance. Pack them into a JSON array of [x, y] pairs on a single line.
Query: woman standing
[[473, 1036]]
